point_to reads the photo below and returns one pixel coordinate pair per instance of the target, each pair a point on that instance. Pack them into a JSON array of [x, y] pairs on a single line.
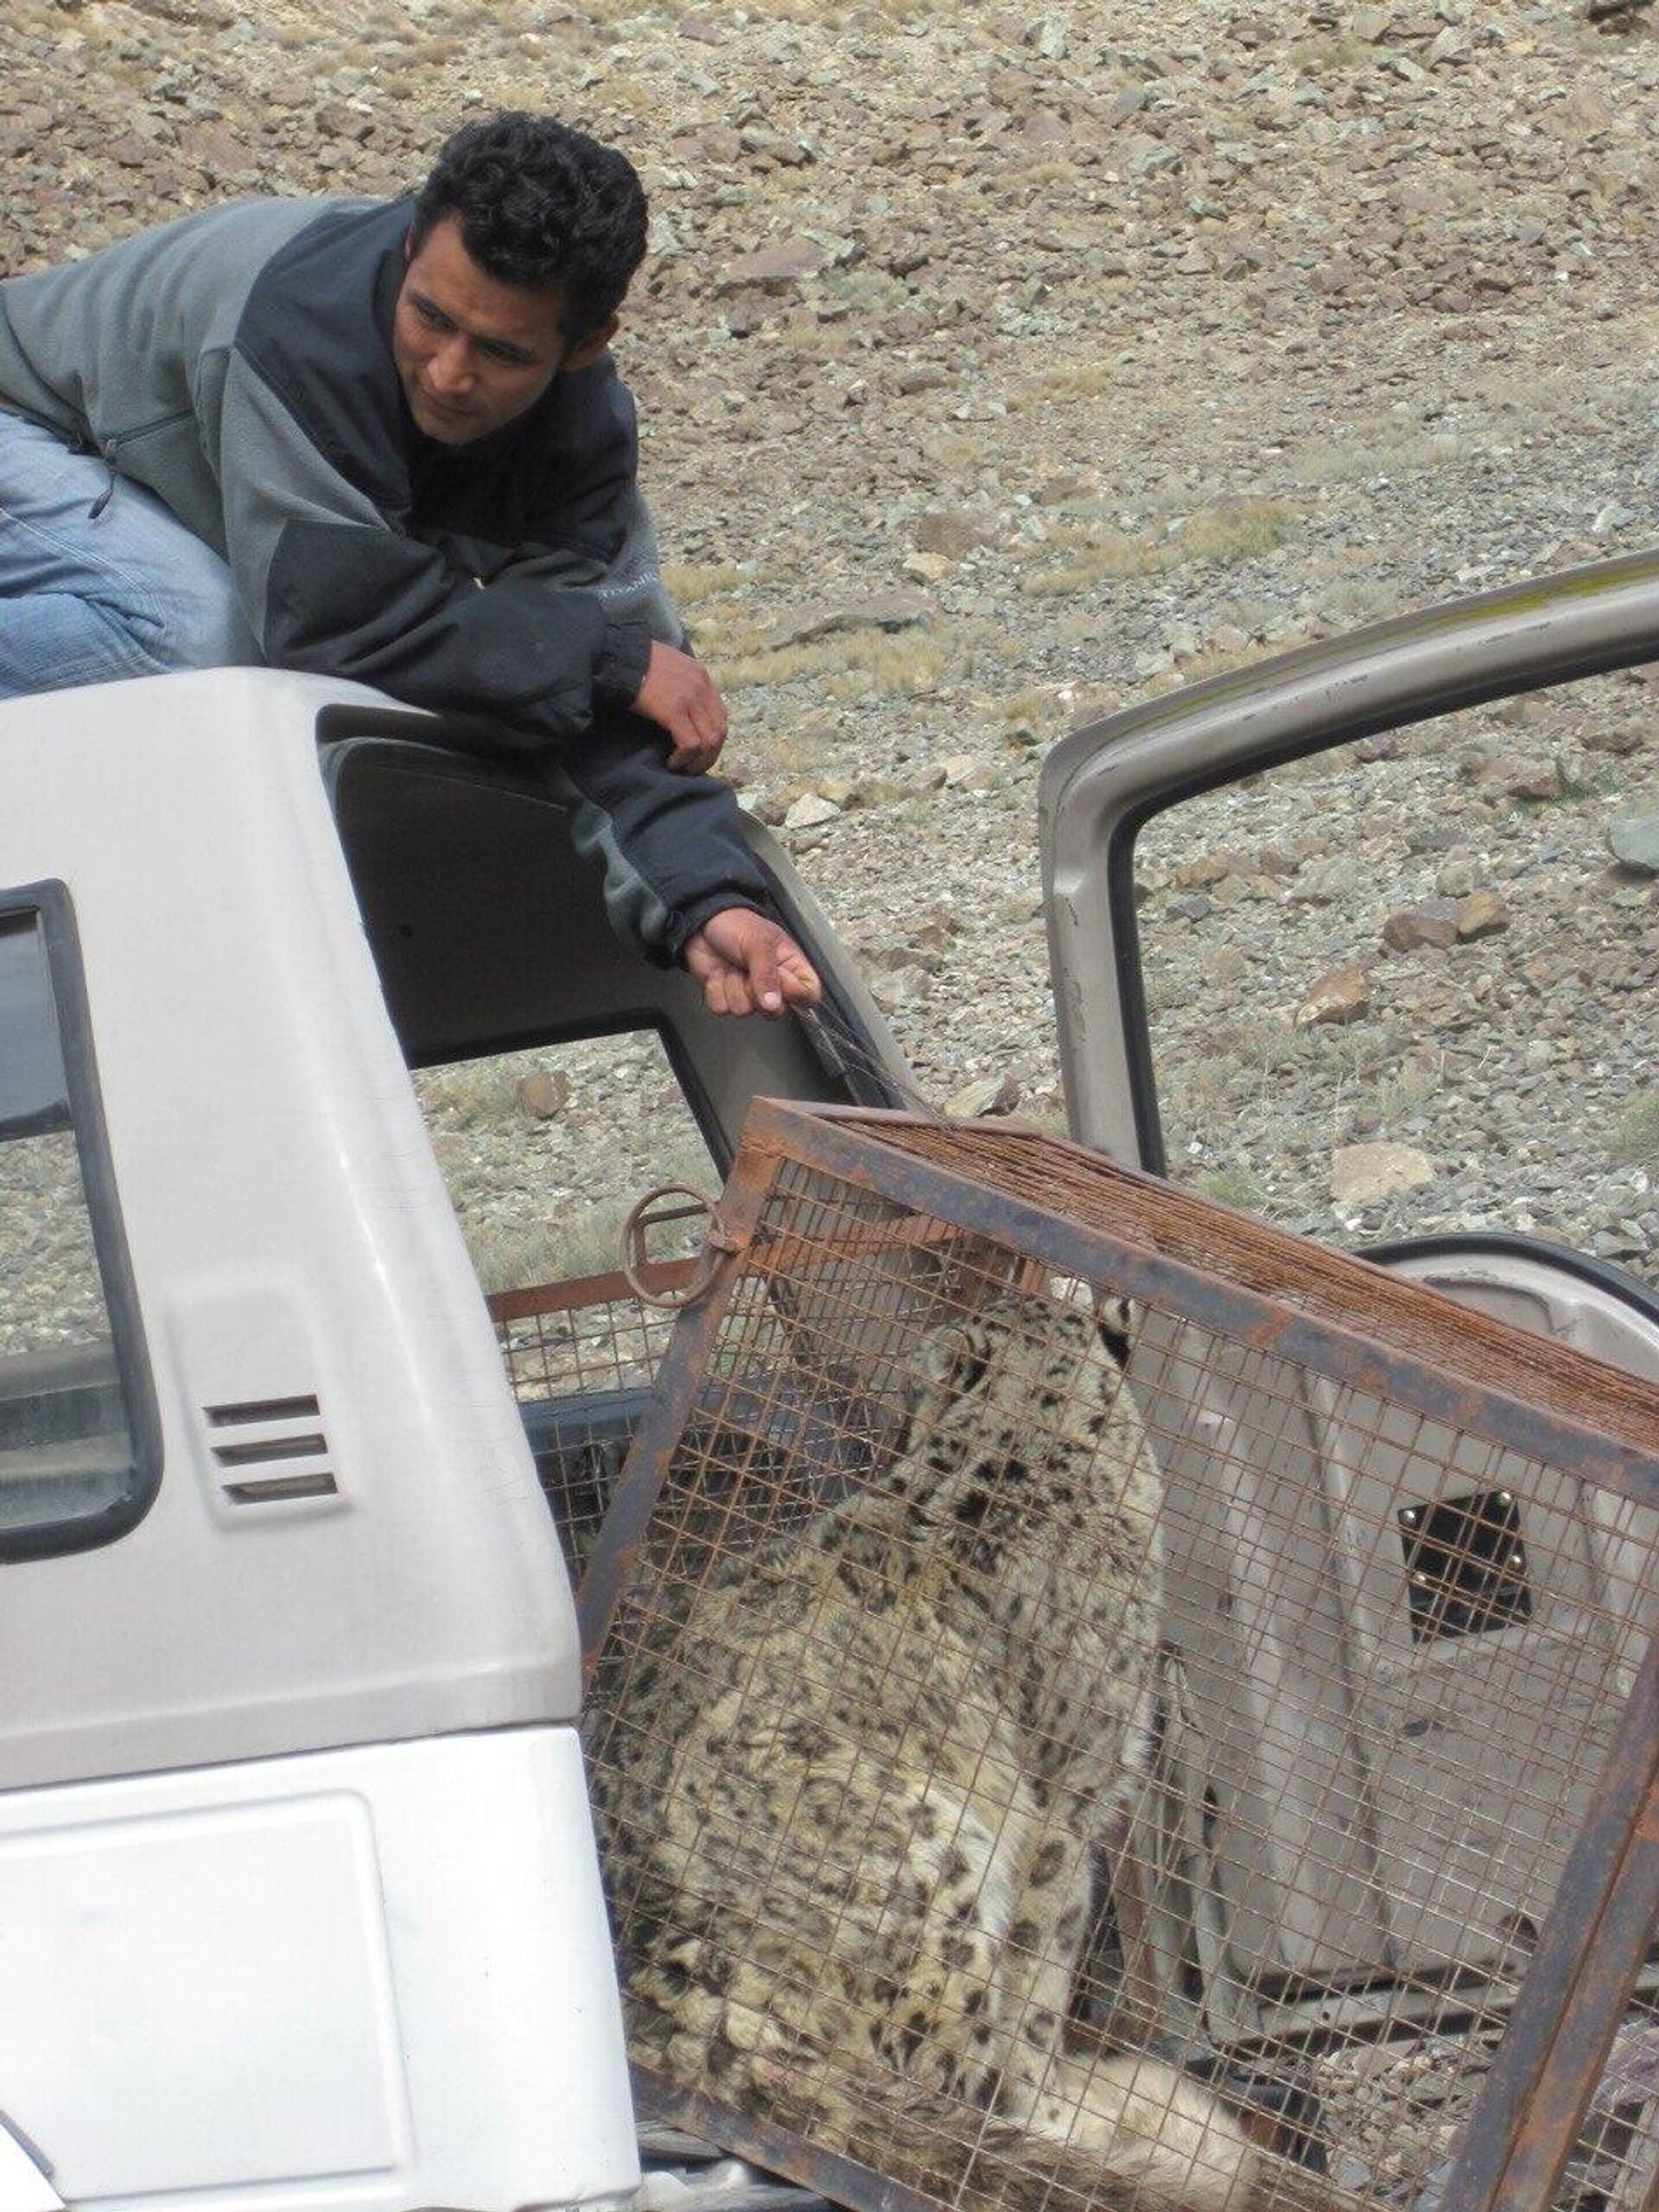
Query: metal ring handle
[[635, 1256]]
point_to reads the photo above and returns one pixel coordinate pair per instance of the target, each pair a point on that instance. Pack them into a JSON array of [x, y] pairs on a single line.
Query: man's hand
[[745, 961], [678, 693]]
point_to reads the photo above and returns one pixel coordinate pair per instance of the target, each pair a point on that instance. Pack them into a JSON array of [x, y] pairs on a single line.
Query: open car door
[[1345, 940]]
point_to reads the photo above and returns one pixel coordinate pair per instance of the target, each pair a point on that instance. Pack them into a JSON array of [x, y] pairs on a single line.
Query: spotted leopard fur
[[853, 1786]]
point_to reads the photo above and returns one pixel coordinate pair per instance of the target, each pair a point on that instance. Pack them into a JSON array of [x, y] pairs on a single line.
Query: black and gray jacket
[[238, 363]]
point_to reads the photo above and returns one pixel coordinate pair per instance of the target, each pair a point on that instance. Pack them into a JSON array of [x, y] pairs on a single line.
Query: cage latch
[[654, 1211]]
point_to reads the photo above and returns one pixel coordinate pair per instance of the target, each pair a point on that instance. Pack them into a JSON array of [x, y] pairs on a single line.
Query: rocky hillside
[[997, 367]]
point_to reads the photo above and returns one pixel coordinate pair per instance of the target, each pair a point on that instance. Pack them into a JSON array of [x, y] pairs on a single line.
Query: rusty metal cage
[[1095, 1700]]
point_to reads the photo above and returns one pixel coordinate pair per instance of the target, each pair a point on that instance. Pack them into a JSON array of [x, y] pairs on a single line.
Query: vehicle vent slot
[[238, 1417], [290, 1434], [271, 1447], [261, 1489]]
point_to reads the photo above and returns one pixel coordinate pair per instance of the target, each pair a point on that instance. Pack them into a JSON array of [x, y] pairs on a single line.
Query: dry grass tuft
[[868, 662], [1349, 460], [582, 1241], [1234, 1185], [1071, 380], [691, 583], [1233, 530]]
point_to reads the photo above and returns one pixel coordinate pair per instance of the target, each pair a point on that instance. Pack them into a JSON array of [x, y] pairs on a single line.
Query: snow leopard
[[854, 1783]]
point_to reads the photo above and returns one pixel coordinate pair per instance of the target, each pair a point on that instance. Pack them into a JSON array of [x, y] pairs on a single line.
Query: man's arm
[[672, 847], [680, 880]]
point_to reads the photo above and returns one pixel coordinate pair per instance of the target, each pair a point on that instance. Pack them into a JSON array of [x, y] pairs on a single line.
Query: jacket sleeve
[[629, 585], [672, 847], [330, 585]]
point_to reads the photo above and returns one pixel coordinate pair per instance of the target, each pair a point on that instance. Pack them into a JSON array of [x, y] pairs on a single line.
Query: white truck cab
[[298, 1897]]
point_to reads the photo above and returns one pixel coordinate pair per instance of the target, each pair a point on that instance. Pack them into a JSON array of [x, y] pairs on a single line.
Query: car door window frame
[[48, 904], [1575, 660]]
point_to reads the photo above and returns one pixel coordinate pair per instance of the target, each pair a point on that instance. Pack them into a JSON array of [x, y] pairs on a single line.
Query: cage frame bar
[[1591, 1948], [679, 1379], [847, 1142], [842, 2181], [578, 1293]]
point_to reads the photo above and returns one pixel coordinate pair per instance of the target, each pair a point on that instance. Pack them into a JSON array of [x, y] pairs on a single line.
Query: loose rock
[[1633, 840], [1482, 914], [1433, 922], [811, 812], [1342, 995], [1361, 1174], [545, 1093]]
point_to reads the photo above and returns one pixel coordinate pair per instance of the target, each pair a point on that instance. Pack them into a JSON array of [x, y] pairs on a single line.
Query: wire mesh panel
[[1092, 1700], [581, 1358]]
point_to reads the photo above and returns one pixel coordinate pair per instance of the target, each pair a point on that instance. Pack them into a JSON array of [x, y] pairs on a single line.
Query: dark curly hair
[[541, 204]]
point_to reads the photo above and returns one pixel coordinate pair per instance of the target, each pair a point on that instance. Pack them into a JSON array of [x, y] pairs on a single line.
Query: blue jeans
[[88, 600]]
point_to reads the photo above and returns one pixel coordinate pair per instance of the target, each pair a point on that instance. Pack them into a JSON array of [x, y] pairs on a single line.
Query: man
[[385, 440]]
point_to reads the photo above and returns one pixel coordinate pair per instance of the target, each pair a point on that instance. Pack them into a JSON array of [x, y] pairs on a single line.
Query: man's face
[[472, 353]]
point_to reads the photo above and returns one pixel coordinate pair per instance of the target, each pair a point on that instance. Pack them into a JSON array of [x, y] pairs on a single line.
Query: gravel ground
[[996, 369]]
